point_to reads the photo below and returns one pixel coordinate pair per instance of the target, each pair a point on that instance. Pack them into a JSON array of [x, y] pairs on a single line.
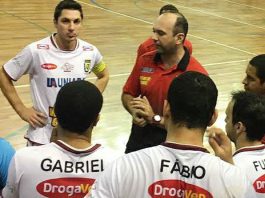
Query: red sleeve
[[141, 50], [188, 45], [132, 85]]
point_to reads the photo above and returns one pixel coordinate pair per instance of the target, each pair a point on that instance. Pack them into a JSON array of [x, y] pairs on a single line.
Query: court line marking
[[243, 4], [135, 18], [145, 21], [26, 20], [215, 15]]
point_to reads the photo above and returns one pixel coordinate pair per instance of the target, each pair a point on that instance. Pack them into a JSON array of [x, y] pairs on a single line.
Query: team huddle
[[172, 101]]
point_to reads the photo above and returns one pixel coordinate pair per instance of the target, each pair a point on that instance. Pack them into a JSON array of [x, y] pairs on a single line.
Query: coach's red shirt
[[149, 78]]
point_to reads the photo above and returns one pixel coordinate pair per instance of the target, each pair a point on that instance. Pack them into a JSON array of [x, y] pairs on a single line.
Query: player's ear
[[239, 128], [179, 38], [214, 117]]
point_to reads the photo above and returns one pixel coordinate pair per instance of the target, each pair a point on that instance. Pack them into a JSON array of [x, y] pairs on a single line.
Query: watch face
[[157, 118]]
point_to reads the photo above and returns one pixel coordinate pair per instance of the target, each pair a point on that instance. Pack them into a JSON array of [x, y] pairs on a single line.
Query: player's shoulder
[[107, 153], [187, 42], [4, 144], [86, 46], [148, 57], [141, 155], [34, 151], [44, 43], [216, 164]]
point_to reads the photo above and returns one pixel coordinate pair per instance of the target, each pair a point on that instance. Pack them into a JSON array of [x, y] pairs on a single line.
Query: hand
[[137, 119], [33, 117], [221, 144], [144, 108]]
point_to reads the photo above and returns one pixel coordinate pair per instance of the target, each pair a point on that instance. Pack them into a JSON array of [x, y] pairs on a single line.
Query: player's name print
[[172, 167], [95, 165]]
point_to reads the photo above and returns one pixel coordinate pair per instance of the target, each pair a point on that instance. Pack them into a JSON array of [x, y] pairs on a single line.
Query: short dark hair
[[181, 25], [169, 8], [67, 4], [77, 105], [249, 108], [259, 63], [192, 98]]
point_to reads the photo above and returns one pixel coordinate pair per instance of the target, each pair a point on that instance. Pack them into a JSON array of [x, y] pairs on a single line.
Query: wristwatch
[[156, 119]]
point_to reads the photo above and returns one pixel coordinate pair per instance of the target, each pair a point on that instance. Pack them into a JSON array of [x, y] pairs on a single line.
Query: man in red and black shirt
[[146, 88], [149, 45]]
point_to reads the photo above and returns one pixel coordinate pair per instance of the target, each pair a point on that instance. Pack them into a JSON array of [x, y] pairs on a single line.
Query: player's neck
[[183, 135], [246, 143], [78, 141], [63, 44], [173, 58]]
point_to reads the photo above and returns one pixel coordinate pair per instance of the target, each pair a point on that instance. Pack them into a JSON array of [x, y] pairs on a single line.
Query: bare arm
[[126, 99], [29, 115], [102, 79]]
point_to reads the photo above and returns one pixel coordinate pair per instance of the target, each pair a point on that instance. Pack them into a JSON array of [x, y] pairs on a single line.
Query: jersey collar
[[183, 63], [184, 147], [53, 41], [250, 148], [71, 149]]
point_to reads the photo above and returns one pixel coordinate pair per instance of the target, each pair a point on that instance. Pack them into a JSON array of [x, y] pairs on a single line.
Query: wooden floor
[[225, 35]]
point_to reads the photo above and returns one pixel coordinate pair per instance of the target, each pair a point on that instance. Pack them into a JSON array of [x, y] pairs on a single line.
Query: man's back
[[252, 161], [55, 170], [170, 170]]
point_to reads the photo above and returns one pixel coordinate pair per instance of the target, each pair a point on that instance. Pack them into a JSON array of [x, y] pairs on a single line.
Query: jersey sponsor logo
[[147, 70], [144, 80], [259, 184], [43, 46], [65, 187], [49, 66], [57, 166], [60, 82], [67, 67], [87, 65], [174, 167], [177, 189], [53, 117], [88, 48]]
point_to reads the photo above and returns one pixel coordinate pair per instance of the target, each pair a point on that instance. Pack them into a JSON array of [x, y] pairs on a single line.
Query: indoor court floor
[[225, 35]]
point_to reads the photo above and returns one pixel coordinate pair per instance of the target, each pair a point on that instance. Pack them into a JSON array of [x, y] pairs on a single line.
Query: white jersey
[[55, 170], [170, 170], [49, 69], [252, 161]]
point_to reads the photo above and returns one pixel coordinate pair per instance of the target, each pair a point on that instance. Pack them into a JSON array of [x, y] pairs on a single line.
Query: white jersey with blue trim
[[49, 69], [170, 170], [251, 160], [56, 170]]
